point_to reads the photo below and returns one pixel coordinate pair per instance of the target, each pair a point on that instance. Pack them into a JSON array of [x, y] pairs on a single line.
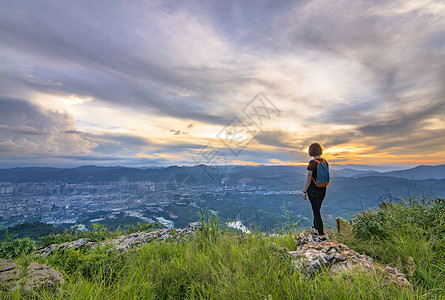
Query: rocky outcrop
[[311, 258], [124, 242], [34, 277], [133, 240]]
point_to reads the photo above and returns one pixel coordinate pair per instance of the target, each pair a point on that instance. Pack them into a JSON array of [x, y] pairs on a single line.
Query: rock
[[8, 271], [312, 258], [76, 244], [45, 251], [134, 240], [124, 242], [48, 250], [32, 278]]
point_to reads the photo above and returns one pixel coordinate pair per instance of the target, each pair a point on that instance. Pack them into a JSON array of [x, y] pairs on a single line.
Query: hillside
[[221, 264], [32, 230], [420, 173], [118, 173], [233, 173]]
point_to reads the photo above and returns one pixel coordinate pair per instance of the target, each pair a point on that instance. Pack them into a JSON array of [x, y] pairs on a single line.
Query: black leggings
[[316, 197]]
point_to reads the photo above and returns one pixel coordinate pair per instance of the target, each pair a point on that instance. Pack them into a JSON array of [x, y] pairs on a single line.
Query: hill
[[96, 173], [220, 264], [416, 173], [420, 173], [32, 230], [201, 173]]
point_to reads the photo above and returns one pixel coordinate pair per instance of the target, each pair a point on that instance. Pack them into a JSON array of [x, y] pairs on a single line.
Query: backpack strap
[[318, 162]]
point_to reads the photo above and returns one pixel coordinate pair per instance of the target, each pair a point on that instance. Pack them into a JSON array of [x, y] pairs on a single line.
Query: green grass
[[218, 264], [410, 235]]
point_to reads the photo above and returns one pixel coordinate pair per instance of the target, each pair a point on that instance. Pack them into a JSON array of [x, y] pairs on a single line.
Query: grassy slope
[[222, 265], [410, 235]]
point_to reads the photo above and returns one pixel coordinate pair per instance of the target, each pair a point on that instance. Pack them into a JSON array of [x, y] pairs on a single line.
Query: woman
[[316, 190]]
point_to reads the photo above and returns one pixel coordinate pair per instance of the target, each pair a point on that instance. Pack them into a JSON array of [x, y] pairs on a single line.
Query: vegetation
[[32, 230], [11, 248], [409, 234], [221, 264]]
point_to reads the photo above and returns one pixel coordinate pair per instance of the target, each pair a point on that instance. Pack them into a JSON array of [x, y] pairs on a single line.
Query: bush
[[12, 248], [92, 265], [370, 224], [410, 234]]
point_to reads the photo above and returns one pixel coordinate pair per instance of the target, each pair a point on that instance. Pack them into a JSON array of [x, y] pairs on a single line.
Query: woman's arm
[[308, 182]]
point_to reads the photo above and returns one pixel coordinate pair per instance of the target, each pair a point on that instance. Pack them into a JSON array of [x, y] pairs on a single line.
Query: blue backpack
[[322, 173]]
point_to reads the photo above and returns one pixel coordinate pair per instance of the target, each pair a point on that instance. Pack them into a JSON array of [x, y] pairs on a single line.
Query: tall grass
[[409, 234], [214, 264]]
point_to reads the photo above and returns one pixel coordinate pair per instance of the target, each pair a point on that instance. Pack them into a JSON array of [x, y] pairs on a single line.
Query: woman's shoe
[[314, 232], [321, 239]]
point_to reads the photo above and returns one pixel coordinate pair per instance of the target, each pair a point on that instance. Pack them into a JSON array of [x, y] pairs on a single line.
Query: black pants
[[316, 197]]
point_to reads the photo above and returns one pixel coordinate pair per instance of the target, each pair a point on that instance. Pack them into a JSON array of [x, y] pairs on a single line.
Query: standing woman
[[315, 188]]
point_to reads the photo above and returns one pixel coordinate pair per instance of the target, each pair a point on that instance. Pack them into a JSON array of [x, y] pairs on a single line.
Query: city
[[67, 204]]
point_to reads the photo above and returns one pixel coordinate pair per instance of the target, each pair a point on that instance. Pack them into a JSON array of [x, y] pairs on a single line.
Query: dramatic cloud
[[28, 130], [153, 82]]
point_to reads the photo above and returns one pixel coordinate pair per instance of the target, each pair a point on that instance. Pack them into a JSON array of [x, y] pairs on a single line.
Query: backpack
[[322, 173]]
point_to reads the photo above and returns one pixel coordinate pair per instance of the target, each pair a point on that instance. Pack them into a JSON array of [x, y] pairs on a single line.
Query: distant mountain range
[[365, 167], [416, 173], [203, 174], [419, 173]]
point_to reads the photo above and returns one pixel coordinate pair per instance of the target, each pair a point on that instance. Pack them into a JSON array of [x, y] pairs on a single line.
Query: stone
[[334, 257], [8, 272], [124, 242], [32, 278], [307, 237]]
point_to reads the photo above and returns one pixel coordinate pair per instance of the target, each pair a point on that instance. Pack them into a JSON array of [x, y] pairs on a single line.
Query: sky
[[159, 83]]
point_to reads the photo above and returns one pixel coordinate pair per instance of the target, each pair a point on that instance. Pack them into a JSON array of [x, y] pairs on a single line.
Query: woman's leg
[[316, 198]]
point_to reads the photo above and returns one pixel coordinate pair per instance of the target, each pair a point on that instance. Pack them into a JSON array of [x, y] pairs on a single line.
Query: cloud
[[127, 73], [278, 138], [22, 130], [28, 130], [122, 79], [178, 132]]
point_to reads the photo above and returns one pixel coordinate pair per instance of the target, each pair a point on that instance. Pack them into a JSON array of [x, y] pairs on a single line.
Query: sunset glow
[[147, 83]]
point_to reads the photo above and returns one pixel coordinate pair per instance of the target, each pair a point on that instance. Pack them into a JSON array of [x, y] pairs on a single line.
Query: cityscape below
[[266, 198]]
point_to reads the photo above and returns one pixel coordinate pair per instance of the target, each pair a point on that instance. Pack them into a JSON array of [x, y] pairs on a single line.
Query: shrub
[[12, 248], [410, 234], [370, 224]]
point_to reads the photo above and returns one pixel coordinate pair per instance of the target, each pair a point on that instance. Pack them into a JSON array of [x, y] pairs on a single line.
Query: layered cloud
[[143, 83]]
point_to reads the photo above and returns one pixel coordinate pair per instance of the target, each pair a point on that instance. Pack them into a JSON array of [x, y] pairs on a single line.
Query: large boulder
[[311, 257], [33, 277]]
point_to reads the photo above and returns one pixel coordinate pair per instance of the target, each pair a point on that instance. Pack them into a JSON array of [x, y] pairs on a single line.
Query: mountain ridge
[[203, 173]]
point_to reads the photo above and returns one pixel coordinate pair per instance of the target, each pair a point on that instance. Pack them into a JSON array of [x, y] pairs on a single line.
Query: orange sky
[[237, 82]]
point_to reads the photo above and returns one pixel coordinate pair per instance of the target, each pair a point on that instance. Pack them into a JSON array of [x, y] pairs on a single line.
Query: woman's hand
[[308, 182]]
